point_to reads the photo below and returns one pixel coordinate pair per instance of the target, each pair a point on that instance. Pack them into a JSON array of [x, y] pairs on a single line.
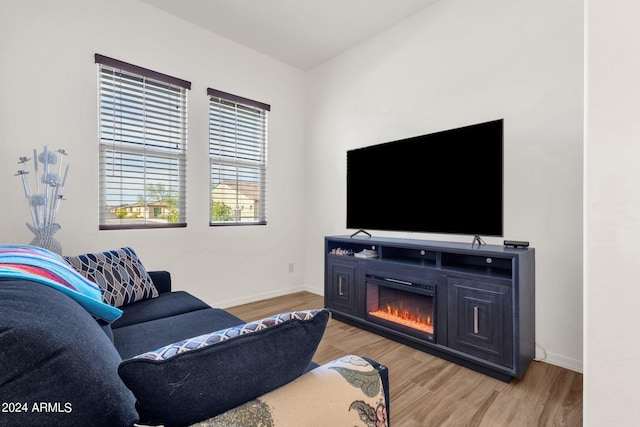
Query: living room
[[451, 64]]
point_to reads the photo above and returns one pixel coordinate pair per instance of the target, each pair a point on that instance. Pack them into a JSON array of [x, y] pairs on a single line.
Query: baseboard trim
[[266, 295], [561, 361]]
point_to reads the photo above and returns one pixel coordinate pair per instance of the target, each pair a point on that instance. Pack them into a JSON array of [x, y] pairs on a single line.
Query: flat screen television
[[447, 182]]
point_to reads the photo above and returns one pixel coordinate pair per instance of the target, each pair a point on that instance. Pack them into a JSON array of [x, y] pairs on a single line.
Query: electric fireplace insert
[[401, 305]]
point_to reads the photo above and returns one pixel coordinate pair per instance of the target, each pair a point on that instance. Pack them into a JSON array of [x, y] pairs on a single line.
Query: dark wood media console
[[470, 304]]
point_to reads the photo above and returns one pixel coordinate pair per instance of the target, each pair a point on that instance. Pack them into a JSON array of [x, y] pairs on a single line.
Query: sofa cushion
[[53, 353], [198, 378], [119, 273], [161, 280], [165, 305], [141, 337]]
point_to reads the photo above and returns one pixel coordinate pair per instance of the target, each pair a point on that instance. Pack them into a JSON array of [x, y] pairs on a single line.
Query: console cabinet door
[[479, 320], [341, 286]]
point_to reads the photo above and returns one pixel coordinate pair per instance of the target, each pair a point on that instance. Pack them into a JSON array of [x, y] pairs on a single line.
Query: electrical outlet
[[291, 267]]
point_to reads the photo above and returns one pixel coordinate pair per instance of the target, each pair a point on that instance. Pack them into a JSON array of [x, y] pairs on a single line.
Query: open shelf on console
[[410, 256], [449, 257], [485, 265], [349, 248]]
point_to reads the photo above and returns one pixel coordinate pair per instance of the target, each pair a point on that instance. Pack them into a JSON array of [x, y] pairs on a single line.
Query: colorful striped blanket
[[39, 265]]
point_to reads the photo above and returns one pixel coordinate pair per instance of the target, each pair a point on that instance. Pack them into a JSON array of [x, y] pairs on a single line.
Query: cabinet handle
[[475, 320], [340, 293]]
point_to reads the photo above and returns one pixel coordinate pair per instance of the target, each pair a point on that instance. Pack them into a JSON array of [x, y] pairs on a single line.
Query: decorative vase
[[45, 196], [44, 237]]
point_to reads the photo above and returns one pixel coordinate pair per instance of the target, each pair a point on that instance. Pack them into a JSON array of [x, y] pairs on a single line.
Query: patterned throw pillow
[[119, 273], [198, 378]]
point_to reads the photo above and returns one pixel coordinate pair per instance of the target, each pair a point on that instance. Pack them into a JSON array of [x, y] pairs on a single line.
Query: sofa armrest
[[383, 371], [346, 391], [161, 280]]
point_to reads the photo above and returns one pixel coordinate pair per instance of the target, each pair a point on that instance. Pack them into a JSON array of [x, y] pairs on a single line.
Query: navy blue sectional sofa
[[171, 317], [173, 360]]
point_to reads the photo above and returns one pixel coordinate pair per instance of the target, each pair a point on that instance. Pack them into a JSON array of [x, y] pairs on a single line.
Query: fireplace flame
[[405, 318]]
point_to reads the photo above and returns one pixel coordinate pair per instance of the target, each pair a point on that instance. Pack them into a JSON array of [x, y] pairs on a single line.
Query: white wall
[[612, 214], [457, 63], [48, 97]]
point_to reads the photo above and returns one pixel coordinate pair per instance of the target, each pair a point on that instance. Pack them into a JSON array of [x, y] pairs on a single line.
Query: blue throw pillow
[[198, 378]]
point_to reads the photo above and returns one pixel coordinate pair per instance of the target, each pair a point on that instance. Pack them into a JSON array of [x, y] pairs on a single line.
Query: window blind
[[238, 159], [143, 142]]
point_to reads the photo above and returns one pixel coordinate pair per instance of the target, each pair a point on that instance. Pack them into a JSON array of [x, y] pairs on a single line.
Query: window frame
[[249, 160], [170, 157]]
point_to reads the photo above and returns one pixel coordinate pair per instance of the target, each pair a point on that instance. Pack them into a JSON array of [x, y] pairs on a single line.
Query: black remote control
[[516, 243]]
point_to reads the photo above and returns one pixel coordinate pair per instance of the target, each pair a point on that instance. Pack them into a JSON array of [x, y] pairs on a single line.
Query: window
[[238, 159], [143, 143]]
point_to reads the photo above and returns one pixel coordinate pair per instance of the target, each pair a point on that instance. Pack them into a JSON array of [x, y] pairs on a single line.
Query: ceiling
[[302, 33]]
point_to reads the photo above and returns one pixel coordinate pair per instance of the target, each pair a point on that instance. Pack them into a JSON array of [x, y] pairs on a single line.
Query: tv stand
[[360, 231], [477, 239], [481, 298]]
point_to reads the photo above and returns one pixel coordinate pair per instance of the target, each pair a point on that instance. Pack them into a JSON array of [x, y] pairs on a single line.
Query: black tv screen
[[445, 182]]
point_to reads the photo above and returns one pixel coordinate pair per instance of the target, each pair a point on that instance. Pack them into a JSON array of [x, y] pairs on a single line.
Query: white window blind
[[143, 142], [238, 159]]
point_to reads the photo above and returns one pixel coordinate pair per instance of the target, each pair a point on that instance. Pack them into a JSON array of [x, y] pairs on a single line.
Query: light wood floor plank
[[429, 391]]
